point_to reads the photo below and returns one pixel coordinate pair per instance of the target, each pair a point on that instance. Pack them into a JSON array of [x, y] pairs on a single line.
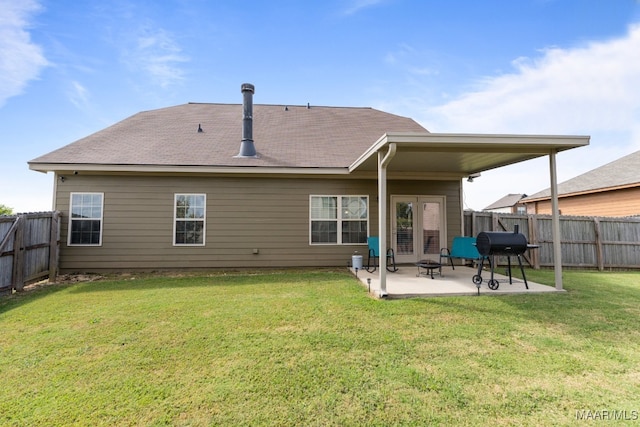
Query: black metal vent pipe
[[247, 147]]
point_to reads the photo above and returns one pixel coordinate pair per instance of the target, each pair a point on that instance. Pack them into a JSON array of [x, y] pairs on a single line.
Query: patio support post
[[555, 221], [383, 162]]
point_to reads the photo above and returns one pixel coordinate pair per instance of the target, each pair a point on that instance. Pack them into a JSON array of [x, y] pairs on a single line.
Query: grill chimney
[[247, 148]]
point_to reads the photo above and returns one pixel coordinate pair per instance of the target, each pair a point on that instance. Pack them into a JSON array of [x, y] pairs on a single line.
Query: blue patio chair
[[461, 248], [374, 256]]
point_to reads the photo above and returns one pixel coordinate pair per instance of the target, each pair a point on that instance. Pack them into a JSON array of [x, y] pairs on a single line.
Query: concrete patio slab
[[405, 283]]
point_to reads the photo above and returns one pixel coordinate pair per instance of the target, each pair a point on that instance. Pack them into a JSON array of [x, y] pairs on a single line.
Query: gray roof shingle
[[315, 137], [507, 201], [622, 172]]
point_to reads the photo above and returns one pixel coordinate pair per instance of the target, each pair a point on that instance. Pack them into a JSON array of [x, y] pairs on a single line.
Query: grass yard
[[309, 347]]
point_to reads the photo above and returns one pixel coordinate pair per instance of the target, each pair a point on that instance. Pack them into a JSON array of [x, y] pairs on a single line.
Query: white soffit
[[462, 154]]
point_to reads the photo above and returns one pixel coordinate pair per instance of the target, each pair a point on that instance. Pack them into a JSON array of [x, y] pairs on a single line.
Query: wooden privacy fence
[[29, 249], [586, 242]]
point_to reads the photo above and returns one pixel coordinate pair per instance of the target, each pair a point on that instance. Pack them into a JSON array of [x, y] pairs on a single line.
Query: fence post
[[532, 222], [495, 221], [18, 255], [599, 250], [54, 246]]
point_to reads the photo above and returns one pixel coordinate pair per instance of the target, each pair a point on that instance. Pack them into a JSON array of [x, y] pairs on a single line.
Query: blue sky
[[71, 68]]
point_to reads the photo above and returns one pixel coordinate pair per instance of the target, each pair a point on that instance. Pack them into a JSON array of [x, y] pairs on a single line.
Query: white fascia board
[[504, 143], [52, 167]]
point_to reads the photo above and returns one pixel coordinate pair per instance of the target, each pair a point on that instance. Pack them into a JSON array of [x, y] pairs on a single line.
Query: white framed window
[[338, 220], [85, 219], [189, 219]]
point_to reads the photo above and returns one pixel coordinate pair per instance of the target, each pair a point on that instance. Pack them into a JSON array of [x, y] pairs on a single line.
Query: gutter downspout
[[555, 222], [383, 162], [54, 201]]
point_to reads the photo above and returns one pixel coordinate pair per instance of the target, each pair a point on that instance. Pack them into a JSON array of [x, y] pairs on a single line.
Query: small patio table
[[429, 266]]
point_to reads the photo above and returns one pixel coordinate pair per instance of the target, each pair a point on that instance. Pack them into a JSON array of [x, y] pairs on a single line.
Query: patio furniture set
[[477, 250]]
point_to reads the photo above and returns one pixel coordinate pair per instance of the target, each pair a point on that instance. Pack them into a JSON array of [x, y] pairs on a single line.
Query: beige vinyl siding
[[243, 214], [623, 202]]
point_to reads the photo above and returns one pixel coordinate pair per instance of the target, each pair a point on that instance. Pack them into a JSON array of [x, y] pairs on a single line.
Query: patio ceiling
[[448, 155]]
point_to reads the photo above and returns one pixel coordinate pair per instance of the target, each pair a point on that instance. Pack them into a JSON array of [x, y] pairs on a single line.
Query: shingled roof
[[285, 136], [621, 173], [507, 201]]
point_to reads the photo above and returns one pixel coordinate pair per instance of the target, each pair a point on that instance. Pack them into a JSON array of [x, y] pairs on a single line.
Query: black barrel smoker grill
[[504, 243]]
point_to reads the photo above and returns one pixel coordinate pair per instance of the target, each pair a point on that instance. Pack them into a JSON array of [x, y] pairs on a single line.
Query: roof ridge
[[282, 105]]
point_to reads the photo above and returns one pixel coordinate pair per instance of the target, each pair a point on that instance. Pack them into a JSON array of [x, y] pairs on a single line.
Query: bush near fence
[[587, 242]]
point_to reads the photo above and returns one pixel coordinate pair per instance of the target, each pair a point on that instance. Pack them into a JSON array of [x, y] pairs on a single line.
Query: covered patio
[[405, 283], [442, 156]]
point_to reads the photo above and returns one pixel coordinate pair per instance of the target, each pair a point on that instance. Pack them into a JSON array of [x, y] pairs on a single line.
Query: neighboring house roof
[[507, 201], [621, 173], [291, 136]]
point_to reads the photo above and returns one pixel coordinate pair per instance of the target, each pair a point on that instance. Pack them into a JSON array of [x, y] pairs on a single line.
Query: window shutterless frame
[[189, 219], [338, 219], [85, 219]]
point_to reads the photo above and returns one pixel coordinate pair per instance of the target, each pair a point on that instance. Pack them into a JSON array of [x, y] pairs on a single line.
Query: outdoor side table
[[428, 266]]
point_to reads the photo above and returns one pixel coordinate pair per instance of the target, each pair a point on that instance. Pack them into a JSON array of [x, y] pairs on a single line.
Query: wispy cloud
[[401, 53], [20, 59], [155, 52], [410, 59], [355, 6], [78, 95]]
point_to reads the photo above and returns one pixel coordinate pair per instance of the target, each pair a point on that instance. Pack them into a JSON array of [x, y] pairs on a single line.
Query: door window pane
[[430, 228], [404, 227]]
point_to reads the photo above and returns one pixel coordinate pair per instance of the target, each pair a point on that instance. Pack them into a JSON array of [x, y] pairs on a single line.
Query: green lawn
[[311, 348]]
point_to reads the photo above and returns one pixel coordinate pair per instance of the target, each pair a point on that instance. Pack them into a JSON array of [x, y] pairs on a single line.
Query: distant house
[[511, 203], [610, 190], [244, 185]]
